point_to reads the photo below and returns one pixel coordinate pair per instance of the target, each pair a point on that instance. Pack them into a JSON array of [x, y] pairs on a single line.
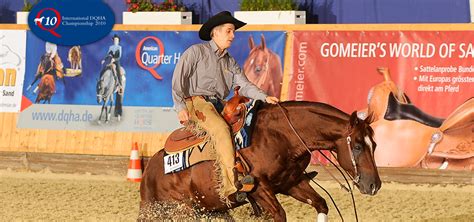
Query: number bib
[[173, 162]]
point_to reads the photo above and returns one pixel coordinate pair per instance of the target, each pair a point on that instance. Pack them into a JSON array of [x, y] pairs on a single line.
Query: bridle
[[355, 179]]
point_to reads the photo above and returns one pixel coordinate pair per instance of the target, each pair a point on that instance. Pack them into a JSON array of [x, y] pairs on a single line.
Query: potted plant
[[149, 12], [270, 12], [22, 15]]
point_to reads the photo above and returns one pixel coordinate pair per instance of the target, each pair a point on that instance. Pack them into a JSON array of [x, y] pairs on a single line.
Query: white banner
[[12, 69]]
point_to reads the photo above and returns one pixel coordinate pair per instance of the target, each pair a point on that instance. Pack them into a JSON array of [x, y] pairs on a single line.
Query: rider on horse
[[203, 77], [58, 67], [115, 51]]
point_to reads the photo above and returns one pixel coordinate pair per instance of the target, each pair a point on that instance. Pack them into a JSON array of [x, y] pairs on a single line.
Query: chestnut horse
[[75, 57], [277, 159], [263, 68]]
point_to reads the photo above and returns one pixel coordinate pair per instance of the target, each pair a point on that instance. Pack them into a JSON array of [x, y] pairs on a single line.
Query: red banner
[[434, 68]]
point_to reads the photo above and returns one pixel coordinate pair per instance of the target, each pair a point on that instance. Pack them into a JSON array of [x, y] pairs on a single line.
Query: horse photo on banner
[[123, 81]]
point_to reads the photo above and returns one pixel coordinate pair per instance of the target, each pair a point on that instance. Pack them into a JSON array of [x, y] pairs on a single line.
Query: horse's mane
[[313, 107]]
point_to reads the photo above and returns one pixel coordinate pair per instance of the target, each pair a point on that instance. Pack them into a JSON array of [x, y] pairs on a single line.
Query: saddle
[[234, 113], [414, 138], [453, 147]]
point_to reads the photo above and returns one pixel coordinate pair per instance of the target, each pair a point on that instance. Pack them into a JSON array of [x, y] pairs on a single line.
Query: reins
[[352, 159]]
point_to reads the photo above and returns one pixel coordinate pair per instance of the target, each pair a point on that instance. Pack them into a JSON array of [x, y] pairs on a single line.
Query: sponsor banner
[[80, 77], [12, 69], [434, 68], [85, 117]]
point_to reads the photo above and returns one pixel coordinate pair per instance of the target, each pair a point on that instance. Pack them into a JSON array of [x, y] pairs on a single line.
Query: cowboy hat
[[216, 20], [116, 36]]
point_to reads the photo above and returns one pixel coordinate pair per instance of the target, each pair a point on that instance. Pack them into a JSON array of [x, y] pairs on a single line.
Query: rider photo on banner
[[123, 81], [12, 69], [416, 82]]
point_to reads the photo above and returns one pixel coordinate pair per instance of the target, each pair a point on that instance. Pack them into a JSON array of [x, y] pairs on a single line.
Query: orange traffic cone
[[134, 166]]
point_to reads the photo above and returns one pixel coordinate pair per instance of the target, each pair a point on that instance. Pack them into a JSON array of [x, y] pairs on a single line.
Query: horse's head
[[100, 90], [259, 57], [263, 67], [357, 155], [108, 60]]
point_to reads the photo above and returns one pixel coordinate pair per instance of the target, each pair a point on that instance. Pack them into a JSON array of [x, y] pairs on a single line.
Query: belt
[[216, 101], [207, 98]]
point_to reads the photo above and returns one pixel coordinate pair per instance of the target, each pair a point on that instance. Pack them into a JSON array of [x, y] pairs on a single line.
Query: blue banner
[[70, 22], [148, 59]]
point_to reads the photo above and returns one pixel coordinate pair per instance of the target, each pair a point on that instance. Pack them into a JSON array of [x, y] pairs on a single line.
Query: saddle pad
[[178, 161], [243, 137], [181, 139]]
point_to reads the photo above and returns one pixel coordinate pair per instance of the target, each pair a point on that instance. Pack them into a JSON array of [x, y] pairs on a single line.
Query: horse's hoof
[[322, 217], [240, 196], [118, 118]]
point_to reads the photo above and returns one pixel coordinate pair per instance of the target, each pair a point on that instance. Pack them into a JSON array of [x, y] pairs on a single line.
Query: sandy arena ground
[[48, 196]]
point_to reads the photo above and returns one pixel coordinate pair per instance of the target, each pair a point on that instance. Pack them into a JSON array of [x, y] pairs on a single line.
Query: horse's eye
[[358, 147]]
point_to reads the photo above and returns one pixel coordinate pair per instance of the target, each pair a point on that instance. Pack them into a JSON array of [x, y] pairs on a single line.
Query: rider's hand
[[272, 100], [183, 116]]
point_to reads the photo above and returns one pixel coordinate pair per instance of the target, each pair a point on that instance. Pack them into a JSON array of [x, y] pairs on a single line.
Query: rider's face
[[116, 41], [224, 35]]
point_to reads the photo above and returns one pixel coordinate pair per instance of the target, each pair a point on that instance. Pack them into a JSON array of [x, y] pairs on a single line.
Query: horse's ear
[[370, 118], [263, 41], [354, 120], [251, 44]]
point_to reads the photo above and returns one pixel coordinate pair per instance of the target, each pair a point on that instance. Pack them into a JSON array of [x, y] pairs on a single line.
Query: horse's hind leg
[[109, 113], [268, 201], [306, 194]]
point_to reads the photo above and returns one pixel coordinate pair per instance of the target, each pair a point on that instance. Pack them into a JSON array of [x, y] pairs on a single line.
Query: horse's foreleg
[[101, 112], [268, 201], [306, 194], [256, 209]]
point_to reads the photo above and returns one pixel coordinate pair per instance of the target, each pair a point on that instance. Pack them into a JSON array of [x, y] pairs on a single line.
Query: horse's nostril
[[373, 188]]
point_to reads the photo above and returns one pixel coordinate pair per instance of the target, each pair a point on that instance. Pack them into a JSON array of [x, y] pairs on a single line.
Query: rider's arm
[[180, 82], [247, 88], [119, 53]]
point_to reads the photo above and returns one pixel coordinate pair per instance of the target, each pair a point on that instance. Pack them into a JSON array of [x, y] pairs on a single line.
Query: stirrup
[[240, 196], [246, 184]]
